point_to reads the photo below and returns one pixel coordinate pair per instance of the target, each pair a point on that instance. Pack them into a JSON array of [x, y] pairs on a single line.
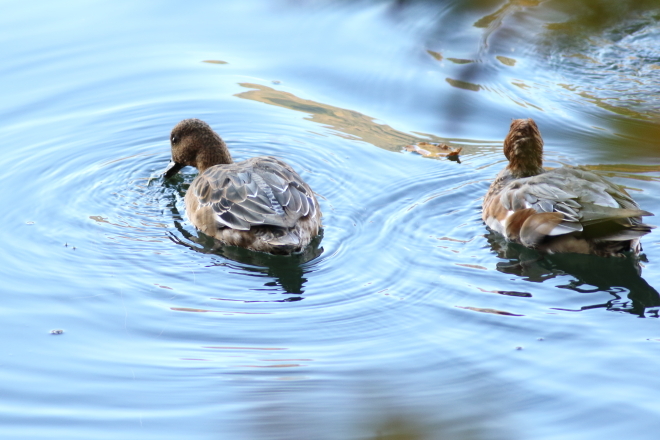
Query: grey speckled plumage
[[568, 209], [261, 203]]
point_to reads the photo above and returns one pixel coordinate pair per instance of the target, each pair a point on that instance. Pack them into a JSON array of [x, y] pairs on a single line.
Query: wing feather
[[579, 197], [259, 191]]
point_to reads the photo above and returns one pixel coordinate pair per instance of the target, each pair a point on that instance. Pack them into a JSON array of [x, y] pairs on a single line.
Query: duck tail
[[284, 241]]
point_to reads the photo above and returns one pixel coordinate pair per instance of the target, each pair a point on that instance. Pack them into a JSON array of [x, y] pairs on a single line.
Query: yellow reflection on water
[[347, 123], [506, 60], [460, 84], [494, 18]]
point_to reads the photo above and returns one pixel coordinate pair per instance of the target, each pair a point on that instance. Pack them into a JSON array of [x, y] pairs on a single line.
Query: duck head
[[194, 143], [523, 147]]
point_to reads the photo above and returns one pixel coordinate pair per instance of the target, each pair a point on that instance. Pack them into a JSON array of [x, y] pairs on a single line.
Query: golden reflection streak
[[190, 309], [584, 18], [272, 366], [101, 219], [627, 171], [491, 311], [459, 84], [506, 60], [471, 266], [434, 54], [460, 60], [356, 125], [493, 20], [456, 240], [144, 240], [248, 348], [348, 122], [604, 104]]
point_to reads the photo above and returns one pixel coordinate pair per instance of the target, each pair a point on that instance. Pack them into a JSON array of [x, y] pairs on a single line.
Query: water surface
[[410, 317]]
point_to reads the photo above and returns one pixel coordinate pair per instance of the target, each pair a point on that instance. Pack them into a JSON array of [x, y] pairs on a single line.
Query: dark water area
[[408, 319]]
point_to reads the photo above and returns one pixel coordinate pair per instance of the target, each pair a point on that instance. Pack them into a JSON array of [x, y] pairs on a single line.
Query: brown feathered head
[[523, 147]]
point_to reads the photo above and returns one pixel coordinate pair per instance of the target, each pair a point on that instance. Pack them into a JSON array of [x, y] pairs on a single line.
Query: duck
[[568, 209], [261, 203]]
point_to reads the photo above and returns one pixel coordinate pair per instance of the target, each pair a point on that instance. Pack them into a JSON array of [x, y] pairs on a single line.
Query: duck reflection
[[285, 271], [620, 277]]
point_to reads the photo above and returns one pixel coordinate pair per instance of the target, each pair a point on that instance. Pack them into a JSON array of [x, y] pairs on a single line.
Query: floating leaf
[[427, 149]]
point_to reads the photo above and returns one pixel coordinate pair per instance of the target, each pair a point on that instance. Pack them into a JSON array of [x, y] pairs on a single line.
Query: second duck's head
[[523, 147], [194, 143]]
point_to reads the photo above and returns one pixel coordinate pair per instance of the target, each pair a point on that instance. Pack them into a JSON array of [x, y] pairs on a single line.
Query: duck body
[[568, 209], [260, 204]]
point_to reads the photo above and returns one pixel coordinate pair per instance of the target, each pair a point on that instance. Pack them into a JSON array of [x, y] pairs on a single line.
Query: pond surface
[[410, 320]]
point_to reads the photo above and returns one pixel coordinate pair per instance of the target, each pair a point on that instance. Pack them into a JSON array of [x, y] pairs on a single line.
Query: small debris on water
[[427, 149], [56, 332]]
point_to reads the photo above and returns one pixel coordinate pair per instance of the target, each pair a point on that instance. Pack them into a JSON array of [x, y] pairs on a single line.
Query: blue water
[[410, 318]]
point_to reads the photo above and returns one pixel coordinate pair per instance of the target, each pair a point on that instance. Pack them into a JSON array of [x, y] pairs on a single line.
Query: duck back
[[568, 209], [260, 204]]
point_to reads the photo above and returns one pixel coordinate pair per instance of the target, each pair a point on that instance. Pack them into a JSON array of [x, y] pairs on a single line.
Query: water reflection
[[596, 59], [284, 409], [619, 277], [287, 270], [349, 123], [380, 301]]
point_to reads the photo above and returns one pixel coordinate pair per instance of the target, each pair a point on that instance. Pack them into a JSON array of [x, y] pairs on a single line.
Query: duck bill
[[172, 169]]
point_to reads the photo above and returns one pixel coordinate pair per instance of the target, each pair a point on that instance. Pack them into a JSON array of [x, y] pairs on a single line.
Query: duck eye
[[175, 139]]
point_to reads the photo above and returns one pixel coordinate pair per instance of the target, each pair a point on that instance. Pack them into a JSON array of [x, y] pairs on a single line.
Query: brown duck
[[260, 204], [567, 209]]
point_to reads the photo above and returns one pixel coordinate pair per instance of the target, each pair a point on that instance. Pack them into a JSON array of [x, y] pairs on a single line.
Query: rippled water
[[409, 318]]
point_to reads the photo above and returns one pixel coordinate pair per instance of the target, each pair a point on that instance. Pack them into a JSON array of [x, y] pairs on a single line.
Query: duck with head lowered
[[567, 209], [260, 204]]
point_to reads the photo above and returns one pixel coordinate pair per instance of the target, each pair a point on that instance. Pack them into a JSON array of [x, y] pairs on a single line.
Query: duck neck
[[218, 154], [523, 167], [523, 147]]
